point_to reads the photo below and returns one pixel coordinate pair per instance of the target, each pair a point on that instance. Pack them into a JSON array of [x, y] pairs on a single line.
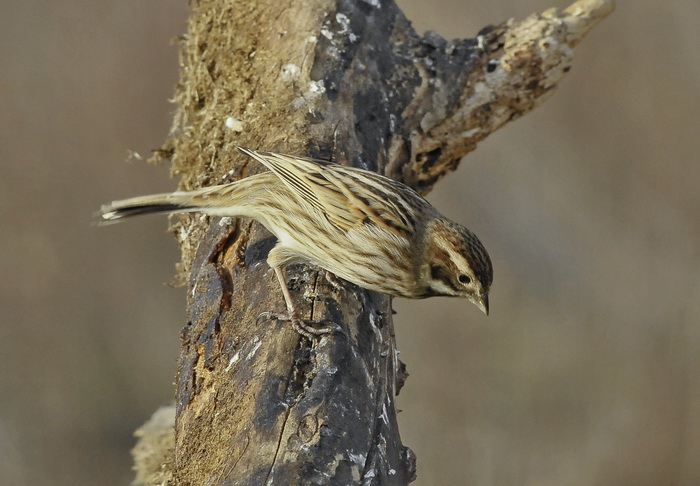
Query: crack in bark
[[279, 445]]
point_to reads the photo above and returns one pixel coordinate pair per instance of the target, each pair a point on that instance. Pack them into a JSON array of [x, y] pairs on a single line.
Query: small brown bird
[[358, 225]]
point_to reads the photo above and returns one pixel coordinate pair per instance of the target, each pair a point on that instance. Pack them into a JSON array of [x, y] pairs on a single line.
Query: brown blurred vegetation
[[587, 371]]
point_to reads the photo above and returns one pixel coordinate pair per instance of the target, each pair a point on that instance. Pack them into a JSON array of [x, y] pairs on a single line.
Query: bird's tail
[[218, 200], [233, 199], [156, 203]]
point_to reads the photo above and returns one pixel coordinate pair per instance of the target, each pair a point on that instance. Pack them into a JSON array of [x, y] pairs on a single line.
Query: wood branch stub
[[351, 82], [511, 68]]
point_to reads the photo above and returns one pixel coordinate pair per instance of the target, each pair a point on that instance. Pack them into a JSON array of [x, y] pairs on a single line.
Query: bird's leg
[[299, 325]]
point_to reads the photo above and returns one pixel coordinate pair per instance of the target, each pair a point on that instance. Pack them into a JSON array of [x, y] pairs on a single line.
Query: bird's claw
[[305, 328]]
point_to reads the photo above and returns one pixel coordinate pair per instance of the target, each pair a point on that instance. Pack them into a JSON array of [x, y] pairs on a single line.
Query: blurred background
[[588, 369]]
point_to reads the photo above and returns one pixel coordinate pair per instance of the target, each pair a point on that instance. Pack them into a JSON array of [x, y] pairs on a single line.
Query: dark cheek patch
[[439, 273], [436, 272]]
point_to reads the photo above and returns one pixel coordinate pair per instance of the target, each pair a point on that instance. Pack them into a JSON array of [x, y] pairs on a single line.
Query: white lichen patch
[[370, 474], [385, 415], [234, 124], [373, 3], [358, 459], [290, 72], [256, 345], [313, 90], [317, 87], [344, 22], [233, 361]]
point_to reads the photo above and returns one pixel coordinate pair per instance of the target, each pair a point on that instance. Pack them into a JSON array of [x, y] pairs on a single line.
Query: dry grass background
[[586, 373]]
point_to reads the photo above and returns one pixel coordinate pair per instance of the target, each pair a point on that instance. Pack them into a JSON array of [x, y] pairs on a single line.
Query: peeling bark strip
[[349, 81]]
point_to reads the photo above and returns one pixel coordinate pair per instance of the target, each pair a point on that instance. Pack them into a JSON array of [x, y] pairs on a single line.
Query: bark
[[352, 82]]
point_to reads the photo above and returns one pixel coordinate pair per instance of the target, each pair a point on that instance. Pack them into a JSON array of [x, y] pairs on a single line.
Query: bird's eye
[[464, 279]]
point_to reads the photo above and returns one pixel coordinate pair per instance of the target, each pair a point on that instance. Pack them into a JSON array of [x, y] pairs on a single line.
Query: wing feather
[[347, 196]]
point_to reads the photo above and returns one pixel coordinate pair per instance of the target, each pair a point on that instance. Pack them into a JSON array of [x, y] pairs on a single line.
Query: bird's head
[[456, 264]]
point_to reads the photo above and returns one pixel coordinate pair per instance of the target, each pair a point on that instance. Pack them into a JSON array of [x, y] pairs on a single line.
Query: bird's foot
[[308, 329]]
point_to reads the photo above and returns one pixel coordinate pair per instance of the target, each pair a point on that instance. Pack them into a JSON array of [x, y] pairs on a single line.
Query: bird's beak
[[483, 303]]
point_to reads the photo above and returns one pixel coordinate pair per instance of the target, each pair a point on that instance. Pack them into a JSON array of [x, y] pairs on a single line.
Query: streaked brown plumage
[[363, 227]]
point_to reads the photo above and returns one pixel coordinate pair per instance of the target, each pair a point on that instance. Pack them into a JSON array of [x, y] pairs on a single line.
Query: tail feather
[[161, 203], [232, 199]]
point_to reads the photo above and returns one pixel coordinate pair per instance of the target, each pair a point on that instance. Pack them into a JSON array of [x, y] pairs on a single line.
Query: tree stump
[[352, 82]]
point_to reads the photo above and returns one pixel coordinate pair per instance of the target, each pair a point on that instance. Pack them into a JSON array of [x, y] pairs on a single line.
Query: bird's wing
[[347, 196]]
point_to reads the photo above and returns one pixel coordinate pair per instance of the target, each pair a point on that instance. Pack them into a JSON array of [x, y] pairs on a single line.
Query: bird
[[358, 225]]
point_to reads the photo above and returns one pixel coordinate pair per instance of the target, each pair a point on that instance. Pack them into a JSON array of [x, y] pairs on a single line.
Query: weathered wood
[[349, 81]]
